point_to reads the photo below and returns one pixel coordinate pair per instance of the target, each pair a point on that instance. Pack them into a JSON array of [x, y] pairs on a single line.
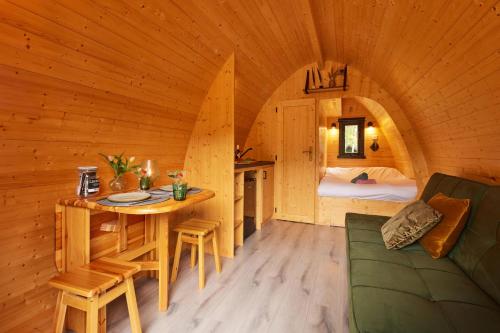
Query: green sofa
[[408, 291]]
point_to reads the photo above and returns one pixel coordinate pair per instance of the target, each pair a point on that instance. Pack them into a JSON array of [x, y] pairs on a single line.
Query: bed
[[337, 195]]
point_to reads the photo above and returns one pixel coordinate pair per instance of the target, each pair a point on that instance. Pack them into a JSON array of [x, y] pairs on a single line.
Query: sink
[[245, 162]]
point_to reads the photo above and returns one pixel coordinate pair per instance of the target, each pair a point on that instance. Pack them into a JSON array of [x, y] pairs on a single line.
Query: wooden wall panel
[[383, 157], [263, 138], [82, 77], [210, 156], [76, 79], [439, 60]]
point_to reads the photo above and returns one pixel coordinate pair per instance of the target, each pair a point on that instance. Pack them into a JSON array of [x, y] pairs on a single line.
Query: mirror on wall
[[351, 138]]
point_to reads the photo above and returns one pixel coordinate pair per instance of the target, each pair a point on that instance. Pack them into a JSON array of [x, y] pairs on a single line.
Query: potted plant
[[179, 185], [120, 165]]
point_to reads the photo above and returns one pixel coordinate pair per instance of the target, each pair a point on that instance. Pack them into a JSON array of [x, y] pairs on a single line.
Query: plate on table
[[169, 188], [129, 197]]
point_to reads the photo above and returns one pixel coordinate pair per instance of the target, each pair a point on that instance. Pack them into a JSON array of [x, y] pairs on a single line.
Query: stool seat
[[197, 227], [196, 232], [95, 278], [92, 286]]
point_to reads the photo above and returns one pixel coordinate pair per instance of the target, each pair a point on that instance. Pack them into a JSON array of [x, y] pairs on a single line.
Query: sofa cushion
[[441, 239], [408, 291], [409, 224]]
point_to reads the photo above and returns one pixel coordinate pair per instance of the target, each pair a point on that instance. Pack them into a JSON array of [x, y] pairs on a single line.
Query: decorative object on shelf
[[337, 80], [120, 165], [89, 183], [179, 186], [148, 172]]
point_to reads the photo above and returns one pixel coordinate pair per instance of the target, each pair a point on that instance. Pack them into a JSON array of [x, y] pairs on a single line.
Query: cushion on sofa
[[407, 290], [409, 224], [442, 237]]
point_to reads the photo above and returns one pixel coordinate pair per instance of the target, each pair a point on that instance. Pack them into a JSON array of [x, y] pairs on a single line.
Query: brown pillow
[[440, 239], [409, 224]]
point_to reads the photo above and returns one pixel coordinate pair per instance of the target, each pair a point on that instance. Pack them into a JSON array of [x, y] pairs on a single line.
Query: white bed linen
[[391, 184]]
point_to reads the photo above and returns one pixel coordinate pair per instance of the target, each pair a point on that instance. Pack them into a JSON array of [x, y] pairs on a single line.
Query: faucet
[[239, 154]]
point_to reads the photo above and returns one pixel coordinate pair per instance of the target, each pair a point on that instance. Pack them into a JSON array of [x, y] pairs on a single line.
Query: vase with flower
[[147, 173], [120, 165], [179, 185]]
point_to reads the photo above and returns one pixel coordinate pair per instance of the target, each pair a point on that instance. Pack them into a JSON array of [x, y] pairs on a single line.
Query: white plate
[[129, 197], [169, 188]]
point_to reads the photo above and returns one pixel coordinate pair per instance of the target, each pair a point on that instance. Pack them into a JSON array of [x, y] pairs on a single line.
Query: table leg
[[149, 236], [162, 246], [77, 253]]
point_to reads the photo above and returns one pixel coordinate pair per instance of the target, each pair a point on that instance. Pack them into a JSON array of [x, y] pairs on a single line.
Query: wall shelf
[[333, 86], [318, 90]]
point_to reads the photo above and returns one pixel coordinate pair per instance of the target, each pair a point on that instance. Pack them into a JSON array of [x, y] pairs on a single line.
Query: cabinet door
[[268, 194]]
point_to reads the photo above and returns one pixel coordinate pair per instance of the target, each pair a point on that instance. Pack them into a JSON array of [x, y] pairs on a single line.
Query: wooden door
[[297, 161]]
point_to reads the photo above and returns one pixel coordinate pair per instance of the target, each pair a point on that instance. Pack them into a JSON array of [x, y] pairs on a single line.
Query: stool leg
[[216, 252], [201, 262], [60, 313], [193, 255], [133, 312], [177, 257], [92, 315]]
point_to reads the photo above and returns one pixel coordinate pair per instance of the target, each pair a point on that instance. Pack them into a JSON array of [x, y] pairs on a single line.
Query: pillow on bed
[[411, 223], [366, 181]]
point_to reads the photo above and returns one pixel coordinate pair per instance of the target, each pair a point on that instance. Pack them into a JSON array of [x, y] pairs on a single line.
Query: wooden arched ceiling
[[438, 59]]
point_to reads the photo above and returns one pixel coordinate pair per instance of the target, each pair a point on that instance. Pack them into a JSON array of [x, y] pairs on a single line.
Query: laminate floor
[[289, 277]]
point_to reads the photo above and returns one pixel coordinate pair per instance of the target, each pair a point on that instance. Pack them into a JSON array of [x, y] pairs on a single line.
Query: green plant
[[120, 165]]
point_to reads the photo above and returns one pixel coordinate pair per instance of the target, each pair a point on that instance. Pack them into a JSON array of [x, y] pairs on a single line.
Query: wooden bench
[[196, 232], [94, 285]]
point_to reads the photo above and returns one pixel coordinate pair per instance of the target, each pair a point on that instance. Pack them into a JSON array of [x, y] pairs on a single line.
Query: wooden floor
[[289, 277]]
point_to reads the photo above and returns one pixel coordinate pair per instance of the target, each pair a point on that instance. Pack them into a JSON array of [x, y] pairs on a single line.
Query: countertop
[[253, 165]]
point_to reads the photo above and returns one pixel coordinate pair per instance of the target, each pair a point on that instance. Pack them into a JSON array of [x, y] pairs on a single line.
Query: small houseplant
[[120, 165], [179, 185]]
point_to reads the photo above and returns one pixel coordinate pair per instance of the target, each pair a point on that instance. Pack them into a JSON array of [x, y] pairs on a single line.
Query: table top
[[157, 208]]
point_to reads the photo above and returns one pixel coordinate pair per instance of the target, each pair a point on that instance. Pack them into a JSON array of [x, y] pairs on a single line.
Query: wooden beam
[[312, 31]]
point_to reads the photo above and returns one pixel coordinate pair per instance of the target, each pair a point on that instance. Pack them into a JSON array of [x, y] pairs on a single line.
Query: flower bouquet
[[120, 165]]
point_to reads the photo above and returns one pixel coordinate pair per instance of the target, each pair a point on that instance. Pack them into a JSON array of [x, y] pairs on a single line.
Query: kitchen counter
[[239, 167]]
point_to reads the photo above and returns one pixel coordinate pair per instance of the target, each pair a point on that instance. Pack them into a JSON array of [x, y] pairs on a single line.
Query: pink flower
[[131, 159], [110, 158]]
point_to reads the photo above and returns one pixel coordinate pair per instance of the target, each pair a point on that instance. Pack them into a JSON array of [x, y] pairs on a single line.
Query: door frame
[[279, 159]]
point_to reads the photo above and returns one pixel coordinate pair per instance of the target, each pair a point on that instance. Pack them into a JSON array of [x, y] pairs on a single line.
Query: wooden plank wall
[[210, 155], [76, 79], [439, 60], [383, 157], [263, 138]]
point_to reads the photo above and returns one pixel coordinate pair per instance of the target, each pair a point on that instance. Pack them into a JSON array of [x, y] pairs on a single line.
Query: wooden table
[[73, 218]]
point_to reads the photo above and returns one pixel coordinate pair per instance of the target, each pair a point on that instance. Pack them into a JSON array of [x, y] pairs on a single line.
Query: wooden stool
[[196, 232], [86, 289]]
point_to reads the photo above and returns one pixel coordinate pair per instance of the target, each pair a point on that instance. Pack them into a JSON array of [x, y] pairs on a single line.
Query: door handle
[[310, 152]]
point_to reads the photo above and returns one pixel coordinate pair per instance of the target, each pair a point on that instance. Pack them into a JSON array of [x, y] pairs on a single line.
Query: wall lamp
[[371, 129]]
